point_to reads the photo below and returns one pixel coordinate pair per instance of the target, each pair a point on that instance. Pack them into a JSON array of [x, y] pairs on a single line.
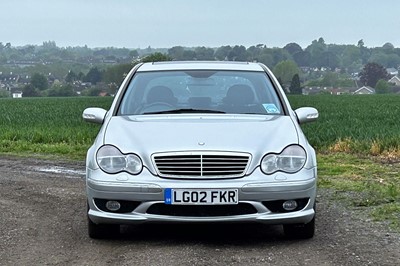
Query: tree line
[[318, 54], [318, 64]]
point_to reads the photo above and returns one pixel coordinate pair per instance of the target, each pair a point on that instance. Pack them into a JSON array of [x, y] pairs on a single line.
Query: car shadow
[[219, 234]]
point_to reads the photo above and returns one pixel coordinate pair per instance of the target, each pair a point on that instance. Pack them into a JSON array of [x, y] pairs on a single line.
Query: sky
[[192, 23]]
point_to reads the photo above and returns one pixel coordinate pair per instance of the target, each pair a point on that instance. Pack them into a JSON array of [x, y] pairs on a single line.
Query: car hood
[[150, 134]]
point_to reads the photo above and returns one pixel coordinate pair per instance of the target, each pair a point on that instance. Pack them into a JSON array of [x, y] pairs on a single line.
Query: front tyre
[[102, 231], [300, 231]]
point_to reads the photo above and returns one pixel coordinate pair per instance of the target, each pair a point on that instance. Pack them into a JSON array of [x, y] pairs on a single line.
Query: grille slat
[[201, 164]]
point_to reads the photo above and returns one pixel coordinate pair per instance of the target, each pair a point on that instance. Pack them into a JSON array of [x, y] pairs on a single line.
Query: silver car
[[203, 142]]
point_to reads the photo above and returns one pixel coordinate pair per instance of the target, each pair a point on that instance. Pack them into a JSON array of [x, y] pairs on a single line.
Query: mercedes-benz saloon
[[201, 142]]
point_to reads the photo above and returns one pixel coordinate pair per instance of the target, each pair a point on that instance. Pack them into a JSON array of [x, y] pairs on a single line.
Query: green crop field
[[48, 126], [367, 124]]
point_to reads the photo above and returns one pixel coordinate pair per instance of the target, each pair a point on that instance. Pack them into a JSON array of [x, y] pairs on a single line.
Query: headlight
[[112, 161], [290, 160]]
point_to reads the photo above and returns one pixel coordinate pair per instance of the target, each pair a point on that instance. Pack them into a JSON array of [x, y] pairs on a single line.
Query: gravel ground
[[43, 222]]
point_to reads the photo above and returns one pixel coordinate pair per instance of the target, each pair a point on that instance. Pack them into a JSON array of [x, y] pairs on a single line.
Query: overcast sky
[[210, 23]]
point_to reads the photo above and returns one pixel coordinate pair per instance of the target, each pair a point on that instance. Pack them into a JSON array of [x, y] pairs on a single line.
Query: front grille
[[201, 211], [201, 164]]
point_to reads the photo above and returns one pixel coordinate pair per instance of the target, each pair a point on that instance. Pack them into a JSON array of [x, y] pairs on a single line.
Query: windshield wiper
[[183, 111]]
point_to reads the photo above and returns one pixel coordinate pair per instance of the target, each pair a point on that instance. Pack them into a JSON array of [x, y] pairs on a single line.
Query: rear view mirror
[[306, 114], [94, 115]]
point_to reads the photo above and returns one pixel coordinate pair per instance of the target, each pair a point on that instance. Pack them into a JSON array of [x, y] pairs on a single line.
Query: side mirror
[[306, 114], [94, 115]]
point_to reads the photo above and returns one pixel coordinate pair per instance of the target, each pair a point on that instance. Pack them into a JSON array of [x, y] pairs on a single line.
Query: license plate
[[201, 196]]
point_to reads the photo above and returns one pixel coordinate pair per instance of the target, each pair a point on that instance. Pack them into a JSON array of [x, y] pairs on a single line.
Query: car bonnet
[[147, 135]]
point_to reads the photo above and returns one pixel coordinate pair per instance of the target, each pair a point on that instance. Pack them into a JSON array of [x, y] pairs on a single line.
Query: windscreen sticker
[[271, 108]]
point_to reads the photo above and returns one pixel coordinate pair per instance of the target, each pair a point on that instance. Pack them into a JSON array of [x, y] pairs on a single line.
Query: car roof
[[200, 65]]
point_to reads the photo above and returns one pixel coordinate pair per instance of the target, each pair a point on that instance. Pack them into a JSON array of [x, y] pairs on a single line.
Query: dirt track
[[43, 222]]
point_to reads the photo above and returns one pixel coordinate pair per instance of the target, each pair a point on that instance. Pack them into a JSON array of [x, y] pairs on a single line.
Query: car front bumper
[[147, 191]]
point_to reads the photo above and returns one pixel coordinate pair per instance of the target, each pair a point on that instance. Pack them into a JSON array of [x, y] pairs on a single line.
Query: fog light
[[113, 205], [289, 205]]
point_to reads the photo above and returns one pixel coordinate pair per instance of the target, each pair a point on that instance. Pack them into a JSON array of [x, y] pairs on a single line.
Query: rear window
[[231, 92]]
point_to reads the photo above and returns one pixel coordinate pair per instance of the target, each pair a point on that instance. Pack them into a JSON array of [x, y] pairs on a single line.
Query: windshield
[[194, 91]]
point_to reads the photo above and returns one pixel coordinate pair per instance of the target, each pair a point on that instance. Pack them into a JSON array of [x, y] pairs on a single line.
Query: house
[[311, 90], [17, 94], [365, 90], [395, 89], [392, 71], [395, 80], [342, 91]]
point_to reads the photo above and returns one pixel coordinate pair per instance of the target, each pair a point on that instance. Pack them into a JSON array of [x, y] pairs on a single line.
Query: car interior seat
[[161, 94], [238, 99]]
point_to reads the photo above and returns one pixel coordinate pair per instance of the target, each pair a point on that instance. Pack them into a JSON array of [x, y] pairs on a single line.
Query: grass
[[365, 182]]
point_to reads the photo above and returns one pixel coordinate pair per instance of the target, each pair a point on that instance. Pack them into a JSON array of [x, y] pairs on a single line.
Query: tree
[[39, 81], [280, 55], [329, 59], [302, 58], [388, 46], [222, 52], [350, 55], [203, 53], [59, 90], [30, 91], [316, 50], [71, 77], [285, 70], [176, 52], [330, 79], [293, 48], [365, 53], [371, 73], [379, 57], [134, 54], [4, 94], [188, 55], [81, 76], [156, 57], [253, 53], [295, 87], [116, 74], [238, 53], [94, 75], [93, 91], [382, 86]]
